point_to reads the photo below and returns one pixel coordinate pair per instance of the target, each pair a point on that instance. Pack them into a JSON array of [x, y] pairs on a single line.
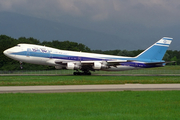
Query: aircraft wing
[[114, 63], [108, 63], [61, 62]]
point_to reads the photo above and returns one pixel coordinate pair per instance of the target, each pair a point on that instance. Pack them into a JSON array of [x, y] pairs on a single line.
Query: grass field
[[84, 80], [137, 105], [128, 105]]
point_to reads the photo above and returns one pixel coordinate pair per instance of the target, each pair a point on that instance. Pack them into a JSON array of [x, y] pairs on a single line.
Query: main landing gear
[[82, 73]]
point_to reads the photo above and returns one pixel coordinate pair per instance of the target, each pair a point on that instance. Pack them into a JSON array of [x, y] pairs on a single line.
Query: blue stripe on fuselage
[[78, 58], [57, 56]]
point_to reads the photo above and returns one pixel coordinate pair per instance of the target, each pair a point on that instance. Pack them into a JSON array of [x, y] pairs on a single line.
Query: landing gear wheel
[[77, 73], [87, 73], [82, 73]]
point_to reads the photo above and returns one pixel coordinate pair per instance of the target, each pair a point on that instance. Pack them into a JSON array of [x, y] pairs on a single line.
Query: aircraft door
[[50, 55], [28, 52], [79, 59]]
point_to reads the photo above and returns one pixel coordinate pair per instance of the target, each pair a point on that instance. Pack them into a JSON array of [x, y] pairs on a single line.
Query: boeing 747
[[86, 62]]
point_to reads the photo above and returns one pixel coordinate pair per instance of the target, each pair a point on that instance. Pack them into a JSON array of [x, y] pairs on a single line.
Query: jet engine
[[72, 66], [99, 65]]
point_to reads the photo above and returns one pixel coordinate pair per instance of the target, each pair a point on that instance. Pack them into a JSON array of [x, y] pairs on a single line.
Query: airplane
[[87, 62]]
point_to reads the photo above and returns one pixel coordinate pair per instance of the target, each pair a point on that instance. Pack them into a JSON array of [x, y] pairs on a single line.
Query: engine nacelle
[[72, 66], [99, 65]]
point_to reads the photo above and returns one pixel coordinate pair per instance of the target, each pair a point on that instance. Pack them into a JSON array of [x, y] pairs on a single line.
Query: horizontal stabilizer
[[159, 63], [154, 63]]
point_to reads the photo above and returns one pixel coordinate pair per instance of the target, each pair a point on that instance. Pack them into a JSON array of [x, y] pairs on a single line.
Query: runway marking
[[88, 88]]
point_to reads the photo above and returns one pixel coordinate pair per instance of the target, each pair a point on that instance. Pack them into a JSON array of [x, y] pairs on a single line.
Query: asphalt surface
[[91, 75], [88, 88]]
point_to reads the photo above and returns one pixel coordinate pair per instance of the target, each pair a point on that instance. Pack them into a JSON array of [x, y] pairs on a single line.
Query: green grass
[[84, 80], [136, 105]]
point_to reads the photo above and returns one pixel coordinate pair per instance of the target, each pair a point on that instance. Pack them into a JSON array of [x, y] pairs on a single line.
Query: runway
[[91, 75], [88, 88]]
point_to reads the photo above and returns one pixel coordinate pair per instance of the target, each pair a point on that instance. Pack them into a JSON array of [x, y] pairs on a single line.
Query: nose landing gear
[[21, 66]]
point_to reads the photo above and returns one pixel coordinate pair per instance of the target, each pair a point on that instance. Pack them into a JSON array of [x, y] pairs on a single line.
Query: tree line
[[9, 64]]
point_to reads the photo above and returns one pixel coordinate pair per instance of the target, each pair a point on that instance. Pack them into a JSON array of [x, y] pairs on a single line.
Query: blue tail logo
[[156, 51]]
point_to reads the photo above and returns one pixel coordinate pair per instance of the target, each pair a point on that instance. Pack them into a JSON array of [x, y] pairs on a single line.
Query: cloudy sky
[[107, 16]]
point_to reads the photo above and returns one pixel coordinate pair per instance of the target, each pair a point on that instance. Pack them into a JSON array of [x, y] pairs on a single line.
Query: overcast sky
[[106, 16], [147, 12]]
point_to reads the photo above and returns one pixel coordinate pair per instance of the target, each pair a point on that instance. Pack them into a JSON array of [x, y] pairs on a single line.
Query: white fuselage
[[43, 55]]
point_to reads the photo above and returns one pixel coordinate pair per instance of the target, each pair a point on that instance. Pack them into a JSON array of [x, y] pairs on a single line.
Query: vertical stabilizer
[[156, 51]]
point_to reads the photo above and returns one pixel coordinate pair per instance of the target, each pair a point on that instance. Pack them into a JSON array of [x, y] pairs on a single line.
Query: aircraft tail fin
[[156, 51]]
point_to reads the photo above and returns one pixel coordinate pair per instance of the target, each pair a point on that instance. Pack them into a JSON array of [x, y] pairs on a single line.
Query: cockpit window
[[18, 45]]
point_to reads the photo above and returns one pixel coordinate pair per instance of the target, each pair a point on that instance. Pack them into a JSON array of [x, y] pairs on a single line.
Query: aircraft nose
[[6, 52]]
